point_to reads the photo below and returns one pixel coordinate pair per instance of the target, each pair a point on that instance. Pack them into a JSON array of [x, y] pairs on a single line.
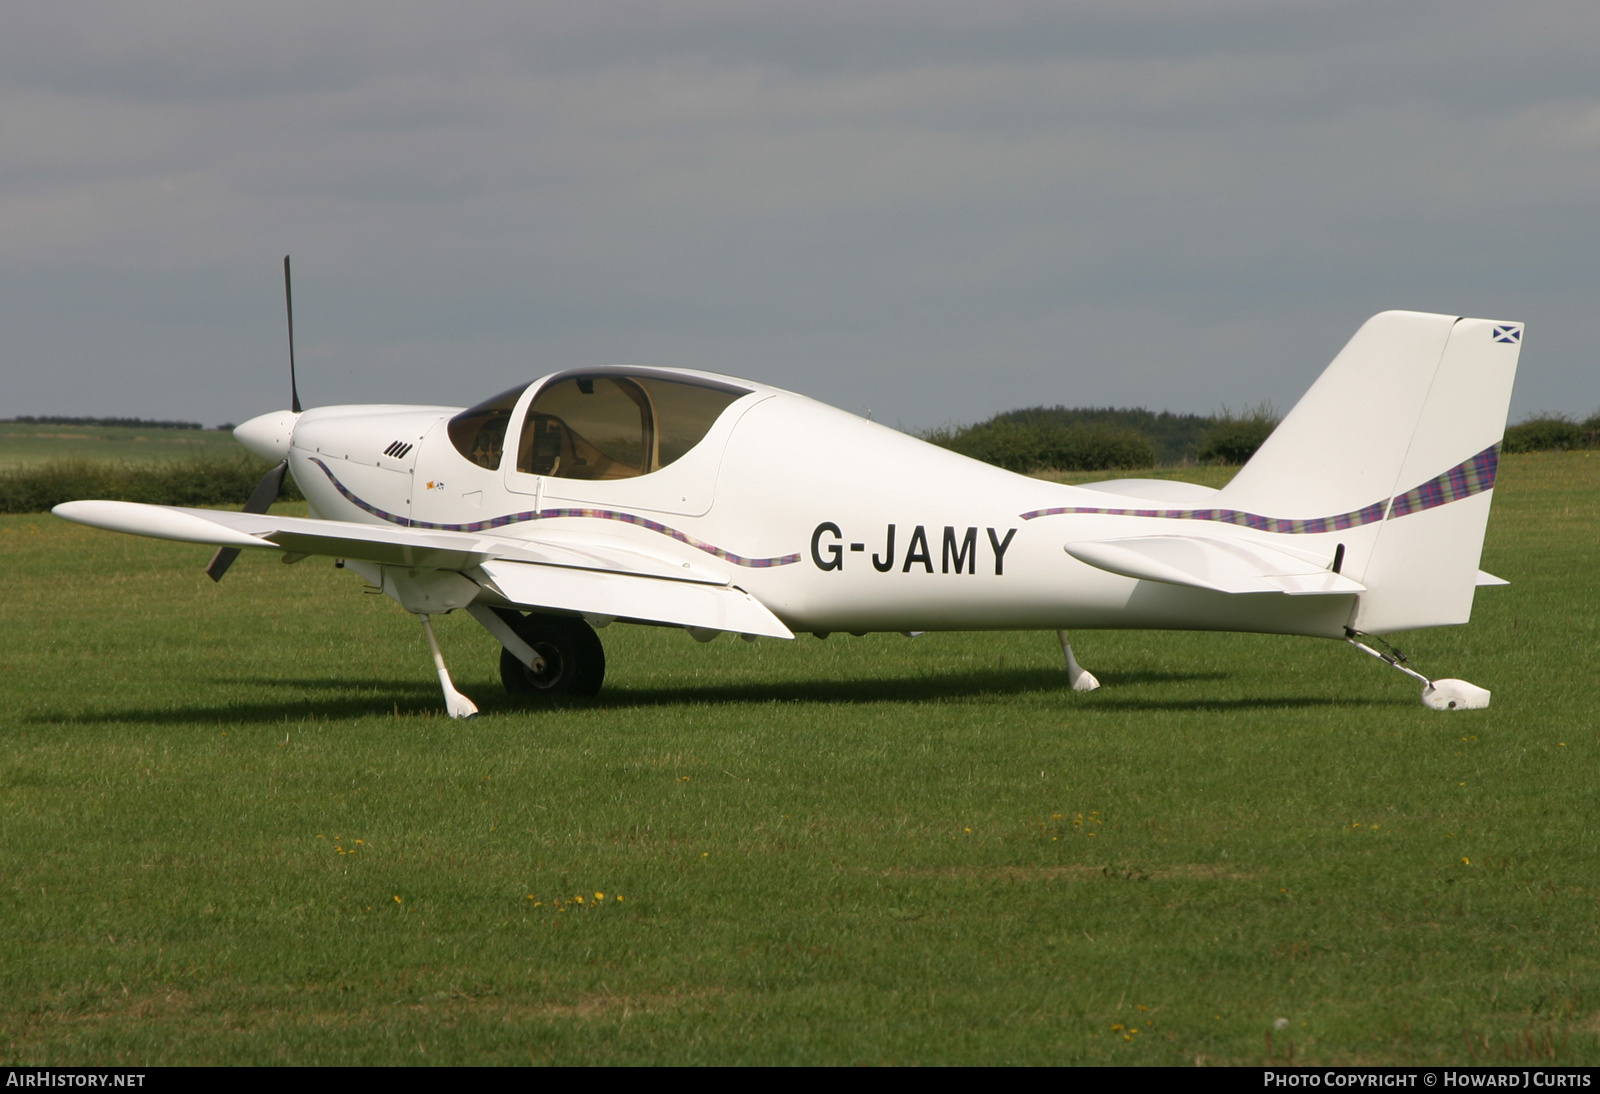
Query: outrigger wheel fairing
[[571, 662]]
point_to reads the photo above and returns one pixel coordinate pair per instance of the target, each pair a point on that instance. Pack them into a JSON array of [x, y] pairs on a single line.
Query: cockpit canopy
[[603, 424]]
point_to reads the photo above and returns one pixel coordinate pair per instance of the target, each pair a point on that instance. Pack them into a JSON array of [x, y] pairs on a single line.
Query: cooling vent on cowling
[[397, 450]]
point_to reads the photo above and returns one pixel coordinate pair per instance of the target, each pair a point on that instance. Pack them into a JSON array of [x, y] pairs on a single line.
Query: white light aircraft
[[687, 499]]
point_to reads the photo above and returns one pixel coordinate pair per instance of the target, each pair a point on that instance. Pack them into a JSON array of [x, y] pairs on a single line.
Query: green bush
[[1176, 437], [1023, 447], [1551, 433], [1095, 448], [215, 482], [1004, 444], [1235, 437]]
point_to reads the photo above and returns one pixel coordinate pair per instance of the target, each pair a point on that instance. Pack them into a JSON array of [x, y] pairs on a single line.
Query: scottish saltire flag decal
[[1507, 332], [1467, 478], [548, 514]]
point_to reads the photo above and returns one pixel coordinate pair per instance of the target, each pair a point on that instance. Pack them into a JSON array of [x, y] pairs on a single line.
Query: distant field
[[236, 828], [23, 444]]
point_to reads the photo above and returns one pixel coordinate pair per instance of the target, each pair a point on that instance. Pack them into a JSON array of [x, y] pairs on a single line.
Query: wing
[[590, 574], [1221, 565]]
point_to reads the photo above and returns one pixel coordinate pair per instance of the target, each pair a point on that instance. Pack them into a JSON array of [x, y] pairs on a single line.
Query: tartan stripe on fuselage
[[548, 514], [1467, 478]]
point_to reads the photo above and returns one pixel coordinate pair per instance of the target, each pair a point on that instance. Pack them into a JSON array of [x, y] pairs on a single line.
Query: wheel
[[574, 660]]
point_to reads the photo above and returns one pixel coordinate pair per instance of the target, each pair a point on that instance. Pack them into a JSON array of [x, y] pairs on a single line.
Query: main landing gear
[[548, 656], [543, 656], [567, 659]]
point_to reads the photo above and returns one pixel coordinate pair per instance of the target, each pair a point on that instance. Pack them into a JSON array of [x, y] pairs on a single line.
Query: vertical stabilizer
[[1394, 449], [1342, 446]]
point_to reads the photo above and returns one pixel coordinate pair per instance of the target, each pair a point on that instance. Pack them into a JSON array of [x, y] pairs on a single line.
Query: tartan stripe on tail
[[1461, 481]]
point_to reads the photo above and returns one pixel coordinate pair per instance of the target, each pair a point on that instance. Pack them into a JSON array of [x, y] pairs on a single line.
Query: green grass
[[852, 851], [23, 444]]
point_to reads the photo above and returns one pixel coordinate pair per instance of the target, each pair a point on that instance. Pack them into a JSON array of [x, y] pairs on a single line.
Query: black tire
[[575, 662]]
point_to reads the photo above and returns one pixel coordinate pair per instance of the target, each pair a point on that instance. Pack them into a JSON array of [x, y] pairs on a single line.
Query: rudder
[[1423, 570]]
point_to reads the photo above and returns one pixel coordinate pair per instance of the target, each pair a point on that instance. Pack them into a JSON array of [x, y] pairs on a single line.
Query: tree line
[[128, 423], [1063, 438], [1059, 438]]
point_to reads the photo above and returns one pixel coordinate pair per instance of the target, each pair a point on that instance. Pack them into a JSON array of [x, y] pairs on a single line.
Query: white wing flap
[[1224, 566], [627, 596]]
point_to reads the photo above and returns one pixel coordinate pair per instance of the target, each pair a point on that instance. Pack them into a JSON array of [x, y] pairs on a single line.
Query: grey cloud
[[937, 210]]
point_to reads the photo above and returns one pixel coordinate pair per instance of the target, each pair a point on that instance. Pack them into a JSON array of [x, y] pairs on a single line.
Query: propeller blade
[[288, 303], [261, 498]]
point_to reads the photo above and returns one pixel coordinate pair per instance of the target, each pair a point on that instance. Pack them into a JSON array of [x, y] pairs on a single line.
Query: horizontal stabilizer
[[1220, 565], [631, 597], [1489, 579]]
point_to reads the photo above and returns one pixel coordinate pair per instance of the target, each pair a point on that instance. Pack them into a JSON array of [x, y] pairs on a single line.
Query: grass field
[[23, 443], [236, 828]]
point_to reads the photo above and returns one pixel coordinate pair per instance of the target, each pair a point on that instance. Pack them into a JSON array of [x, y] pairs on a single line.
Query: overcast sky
[[935, 210]]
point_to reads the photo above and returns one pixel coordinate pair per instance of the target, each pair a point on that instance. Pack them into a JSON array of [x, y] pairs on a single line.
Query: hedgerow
[[1552, 433], [1026, 447], [217, 482]]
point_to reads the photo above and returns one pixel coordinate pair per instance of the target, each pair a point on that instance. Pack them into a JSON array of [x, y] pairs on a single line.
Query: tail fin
[[1394, 450]]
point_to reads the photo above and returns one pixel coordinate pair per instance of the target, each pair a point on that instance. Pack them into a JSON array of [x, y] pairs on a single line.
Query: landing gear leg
[[545, 656], [1082, 679], [457, 704], [1436, 694]]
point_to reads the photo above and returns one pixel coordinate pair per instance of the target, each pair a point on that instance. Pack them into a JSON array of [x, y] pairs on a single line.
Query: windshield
[[479, 432]]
